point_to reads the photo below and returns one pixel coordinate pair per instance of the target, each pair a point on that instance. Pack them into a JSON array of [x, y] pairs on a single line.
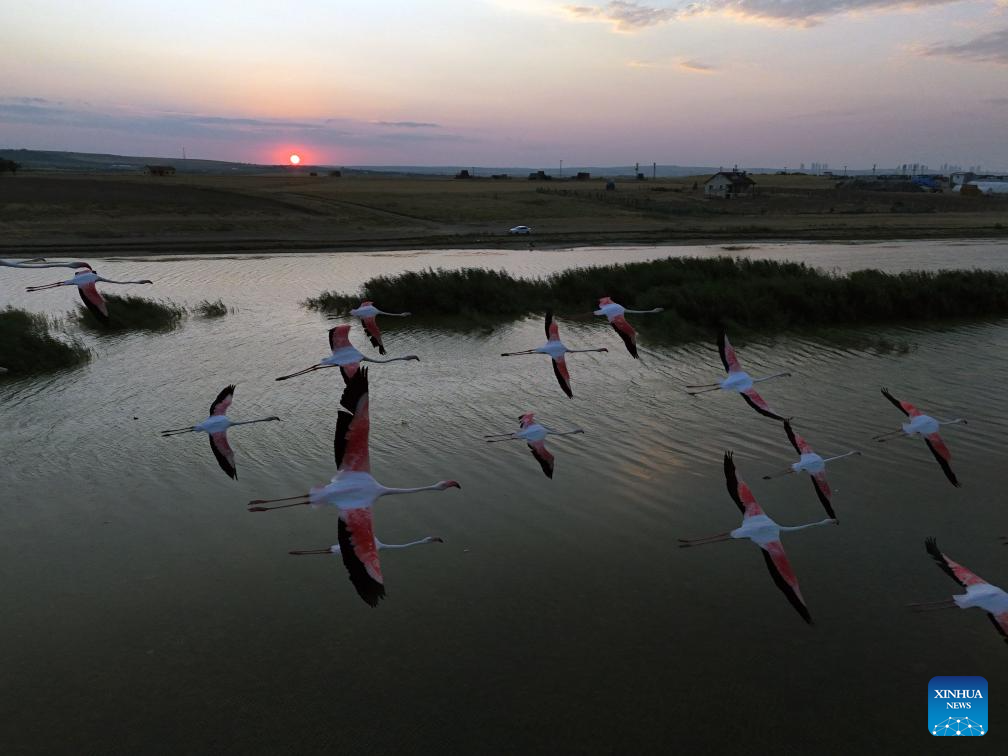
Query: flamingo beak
[[452, 484]]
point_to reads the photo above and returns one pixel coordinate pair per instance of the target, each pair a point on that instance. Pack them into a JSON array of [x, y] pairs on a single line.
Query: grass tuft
[[129, 313], [699, 295], [28, 347], [208, 309]]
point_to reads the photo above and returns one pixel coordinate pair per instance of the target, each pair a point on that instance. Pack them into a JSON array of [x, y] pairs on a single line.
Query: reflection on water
[[144, 605]]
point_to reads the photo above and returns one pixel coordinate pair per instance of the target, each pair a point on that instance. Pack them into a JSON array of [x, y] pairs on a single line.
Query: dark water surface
[[145, 611]]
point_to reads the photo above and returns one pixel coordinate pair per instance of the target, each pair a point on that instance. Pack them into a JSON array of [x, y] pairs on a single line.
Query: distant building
[[159, 170], [540, 176], [463, 174], [582, 176], [728, 184]]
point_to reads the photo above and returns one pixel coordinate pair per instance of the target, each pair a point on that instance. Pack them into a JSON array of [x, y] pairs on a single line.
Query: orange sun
[[295, 159]]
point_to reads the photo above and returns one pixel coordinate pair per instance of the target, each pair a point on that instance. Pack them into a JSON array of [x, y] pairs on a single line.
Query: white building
[[728, 184]]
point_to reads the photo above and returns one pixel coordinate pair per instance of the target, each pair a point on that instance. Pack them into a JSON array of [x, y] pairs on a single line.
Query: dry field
[[216, 213]]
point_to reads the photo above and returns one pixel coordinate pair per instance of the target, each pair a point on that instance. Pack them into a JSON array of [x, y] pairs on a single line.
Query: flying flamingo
[[614, 314], [85, 280], [979, 592], [367, 312], [40, 262], [217, 426], [335, 548], [344, 356], [926, 427], [739, 380], [765, 533], [813, 464], [353, 491], [556, 350], [535, 434]]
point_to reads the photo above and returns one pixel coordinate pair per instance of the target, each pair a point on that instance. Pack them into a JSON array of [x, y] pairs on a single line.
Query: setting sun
[[295, 159]]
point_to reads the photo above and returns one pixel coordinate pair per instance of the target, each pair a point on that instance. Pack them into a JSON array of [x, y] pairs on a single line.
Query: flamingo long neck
[[403, 545], [393, 491], [394, 359], [841, 456], [950, 422], [394, 315], [260, 420], [643, 312], [770, 377], [587, 350], [788, 529], [109, 280]]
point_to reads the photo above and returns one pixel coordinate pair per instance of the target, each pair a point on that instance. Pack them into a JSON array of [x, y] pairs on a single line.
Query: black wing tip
[[369, 589], [766, 413], [786, 589], [824, 500]]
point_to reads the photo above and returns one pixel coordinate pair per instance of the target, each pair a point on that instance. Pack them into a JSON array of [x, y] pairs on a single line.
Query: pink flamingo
[[614, 314], [813, 464], [344, 356], [40, 262], [556, 350], [367, 313], [739, 380], [85, 280], [926, 427], [979, 592], [217, 427], [535, 435], [353, 491], [765, 533]]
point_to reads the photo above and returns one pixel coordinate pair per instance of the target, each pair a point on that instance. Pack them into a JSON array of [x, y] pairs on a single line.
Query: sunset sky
[[512, 82]]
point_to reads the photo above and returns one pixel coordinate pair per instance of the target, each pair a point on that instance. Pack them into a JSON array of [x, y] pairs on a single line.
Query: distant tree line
[[9, 165]]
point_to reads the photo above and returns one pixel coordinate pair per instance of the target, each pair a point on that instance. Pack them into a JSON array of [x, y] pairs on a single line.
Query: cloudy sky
[[512, 82]]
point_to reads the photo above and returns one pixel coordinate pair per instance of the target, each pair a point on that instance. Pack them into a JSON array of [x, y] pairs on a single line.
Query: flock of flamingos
[[354, 491]]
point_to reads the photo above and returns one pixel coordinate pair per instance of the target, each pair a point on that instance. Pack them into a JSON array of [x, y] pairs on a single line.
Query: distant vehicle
[[520, 230]]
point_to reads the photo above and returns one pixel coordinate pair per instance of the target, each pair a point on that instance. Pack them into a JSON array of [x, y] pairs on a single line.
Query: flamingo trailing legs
[[217, 427], [765, 533], [344, 356], [926, 427], [353, 491], [335, 548], [614, 314], [534, 434], [557, 352], [367, 313], [739, 380]]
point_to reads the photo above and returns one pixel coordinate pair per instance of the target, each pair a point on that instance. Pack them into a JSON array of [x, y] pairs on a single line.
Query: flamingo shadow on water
[[217, 427]]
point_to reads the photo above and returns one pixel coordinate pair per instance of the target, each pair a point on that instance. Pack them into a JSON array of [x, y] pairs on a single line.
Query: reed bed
[[129, 313], [29, 347], [699, 295]]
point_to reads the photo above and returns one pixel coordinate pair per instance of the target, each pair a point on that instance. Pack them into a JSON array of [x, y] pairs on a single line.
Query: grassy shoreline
[[28, 345], [700, 295]]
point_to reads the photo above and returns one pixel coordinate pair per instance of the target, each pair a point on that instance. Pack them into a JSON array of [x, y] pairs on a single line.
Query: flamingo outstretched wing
[[800, 444], [338, 337], [759, 404], [350, 442], [552, 329], [94, 301], [627, 333], [954, 570], [223, 453], [783, 576], [943, 455], [905, 407], [741, 494], [822, 489], [563, 376], [221, 404], [374, 333], [727, 352], [360, 554], [543, 457], [1000, 621]]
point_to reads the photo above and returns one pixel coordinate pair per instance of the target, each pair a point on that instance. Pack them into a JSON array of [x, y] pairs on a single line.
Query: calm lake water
[[145, 611]]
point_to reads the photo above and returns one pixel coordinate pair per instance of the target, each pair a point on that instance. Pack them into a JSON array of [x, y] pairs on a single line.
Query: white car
[[520, 230]]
